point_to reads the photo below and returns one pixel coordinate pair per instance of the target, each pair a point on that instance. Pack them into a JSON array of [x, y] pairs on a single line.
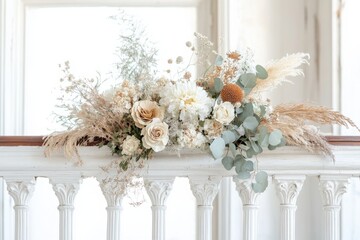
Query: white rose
[[224, 113], [156, 135], [143, 112], [130, 145]]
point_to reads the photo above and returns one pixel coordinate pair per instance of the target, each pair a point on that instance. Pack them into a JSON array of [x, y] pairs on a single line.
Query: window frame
[[12, 63]]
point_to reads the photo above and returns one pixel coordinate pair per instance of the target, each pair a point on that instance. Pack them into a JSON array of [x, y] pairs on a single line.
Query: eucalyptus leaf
[[248, 111], [250, 152], [250, 123], [228, 136], [255, 147], [248, 79], [261, 177], [219, 60], [248, 166], [228, 162], [232, 148], [275, 137], [218, 85], [248, 82], [264, 141], [243, 175], [261, 72], [217, 147], [259, 187]]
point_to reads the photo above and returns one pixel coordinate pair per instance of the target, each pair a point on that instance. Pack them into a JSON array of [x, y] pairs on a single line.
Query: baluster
[[250, 208], [66, 189], [158, 190], [21, 191], [114, 209], [332, 189], [288, 189], [205, 189]]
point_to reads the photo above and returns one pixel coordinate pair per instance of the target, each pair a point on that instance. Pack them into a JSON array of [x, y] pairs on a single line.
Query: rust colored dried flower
[[232, 93], [233, 55]]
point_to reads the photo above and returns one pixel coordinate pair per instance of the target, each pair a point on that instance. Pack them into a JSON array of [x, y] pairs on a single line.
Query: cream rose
[[130, 145], [156, 135], [224, 113], [143, 112]]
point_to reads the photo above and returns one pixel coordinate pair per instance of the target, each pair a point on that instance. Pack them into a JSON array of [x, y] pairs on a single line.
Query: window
[[38, 35], [350, 66]]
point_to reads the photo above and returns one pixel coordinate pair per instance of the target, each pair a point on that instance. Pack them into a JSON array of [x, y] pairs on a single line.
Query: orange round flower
[[232, 93]]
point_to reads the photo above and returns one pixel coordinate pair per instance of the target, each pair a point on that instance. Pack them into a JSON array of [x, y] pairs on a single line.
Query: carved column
[[21, 191], [158, 190], [205, 190], [288, 189], [114, 209], [66, 189], [332, 189], [250, 208]]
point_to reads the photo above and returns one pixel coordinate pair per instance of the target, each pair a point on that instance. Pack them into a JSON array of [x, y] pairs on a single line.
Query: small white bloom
[[130, 145], [224, 113], [187, 101], [212, 128], [189, 137], [156, 135]]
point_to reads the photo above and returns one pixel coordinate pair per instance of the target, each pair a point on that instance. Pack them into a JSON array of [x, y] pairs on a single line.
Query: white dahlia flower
[[186, 100]]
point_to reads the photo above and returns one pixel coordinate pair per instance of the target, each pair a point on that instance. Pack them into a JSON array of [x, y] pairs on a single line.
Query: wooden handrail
[[39, 140]]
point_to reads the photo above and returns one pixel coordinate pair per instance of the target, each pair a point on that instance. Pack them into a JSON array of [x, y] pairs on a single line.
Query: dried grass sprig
[[293, 119], [278, 73], [304, 136], [68, 141], [301, 113]]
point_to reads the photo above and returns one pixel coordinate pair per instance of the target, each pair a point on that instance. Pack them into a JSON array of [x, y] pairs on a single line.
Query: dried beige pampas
[[293, 121], [278, 73]]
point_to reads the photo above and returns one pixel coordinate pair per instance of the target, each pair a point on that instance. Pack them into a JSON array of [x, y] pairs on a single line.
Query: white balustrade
[[288, 188], [66, 189], [250, 208], [114, 209], [288, 167], [21, 190], [204, 189], [332, 188], [158, 190]]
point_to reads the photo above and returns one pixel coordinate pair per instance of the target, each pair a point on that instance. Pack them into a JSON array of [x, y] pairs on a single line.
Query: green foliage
[[275, 138], [218, 85], [250, 123], [247, 81], [261, 72], [261, 183], [219, 60], [217, 147], [228, 162]]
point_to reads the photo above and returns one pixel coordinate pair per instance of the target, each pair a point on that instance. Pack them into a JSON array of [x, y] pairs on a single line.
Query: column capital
[[205, 189], [158, 189], [332, 188], [21, 190], [288, 188], [66, 189], [246, 193]]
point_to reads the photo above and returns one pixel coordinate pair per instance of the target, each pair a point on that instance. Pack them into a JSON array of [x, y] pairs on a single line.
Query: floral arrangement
[[223, 111]]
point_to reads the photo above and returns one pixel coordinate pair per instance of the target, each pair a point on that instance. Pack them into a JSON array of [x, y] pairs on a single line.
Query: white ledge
[[30, 160]]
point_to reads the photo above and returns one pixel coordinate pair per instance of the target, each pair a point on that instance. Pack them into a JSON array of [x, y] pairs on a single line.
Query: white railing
[[288, 167]]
